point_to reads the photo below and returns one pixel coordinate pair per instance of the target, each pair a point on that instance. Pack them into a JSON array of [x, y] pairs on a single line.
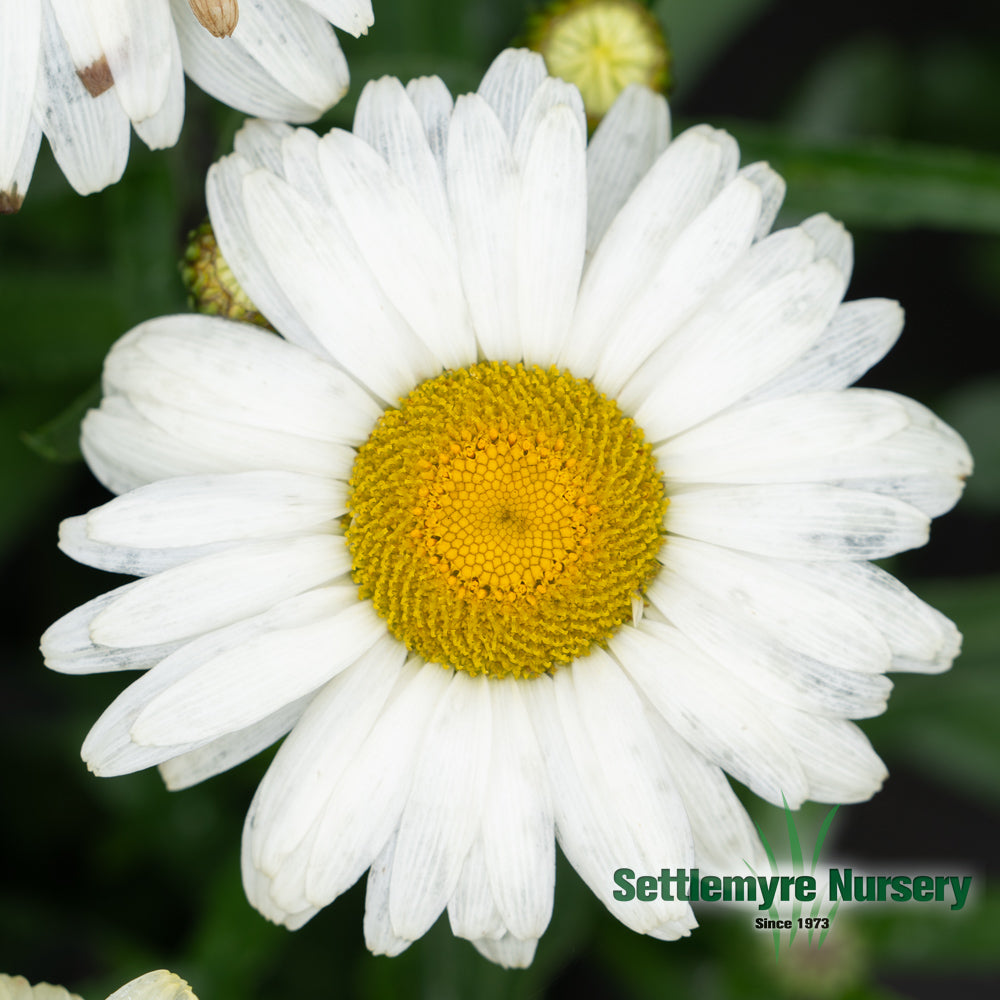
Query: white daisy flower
[[81, 70], [18, 988], [159, 985], [550, 508]]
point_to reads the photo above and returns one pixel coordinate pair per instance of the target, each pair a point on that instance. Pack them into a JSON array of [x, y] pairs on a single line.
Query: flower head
[[159, 985], [550, 506], [80, 71]]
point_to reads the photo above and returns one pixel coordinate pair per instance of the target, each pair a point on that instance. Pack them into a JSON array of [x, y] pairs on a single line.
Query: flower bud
[[601, 46], [219, 16], [212, 288]]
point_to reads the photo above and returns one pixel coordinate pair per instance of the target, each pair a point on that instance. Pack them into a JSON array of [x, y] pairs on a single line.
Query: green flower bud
[[601, 46], [212, 288]]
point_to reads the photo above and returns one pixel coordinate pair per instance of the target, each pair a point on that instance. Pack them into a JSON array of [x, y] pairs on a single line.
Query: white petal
[[772, 596], [472, 913], [642, 788], [517, 833], [833, 242], [210, 444], [76, 543], [509, 952], [389, 119], [380, 938], [717, 714], [159, 985], [79, 30], [135, 37], [239, 687], [724, 835], [125, 450], [299, 153], [415, 269], [858, 336], [261, 142], [595, 836], [218, 589], [798, 521], [484, 189], [776, 256], [291, 798], [364, 808], [20, 54], [677, 187], [552, 93], [236, 374], [68, 647], [716, 358], [173, 521], [232, 749], [89, 136], [509, 85], [550, 235], [721, 618], [838, 759], [109, 748], [772, 187], [924, 464], [434, 105], [443, 811], [319, 267], [14, 185], [256, 883], [281, 62], [352, 16], [200, 510], [682, 281], [775, 440], [224, 196], [624, 146], [162, 129], [921, 638], [297, 47]]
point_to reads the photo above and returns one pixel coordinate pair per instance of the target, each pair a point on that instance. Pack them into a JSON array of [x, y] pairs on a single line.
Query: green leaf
[[880, 182], [860, 88], [59, 439], [30, 481]]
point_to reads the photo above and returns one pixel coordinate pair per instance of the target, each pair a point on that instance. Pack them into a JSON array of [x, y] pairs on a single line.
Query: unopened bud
[[219, 16], [601, 46], [212, 288]]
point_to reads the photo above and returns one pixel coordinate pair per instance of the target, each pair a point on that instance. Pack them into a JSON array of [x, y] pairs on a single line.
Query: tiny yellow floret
[[502, 518]]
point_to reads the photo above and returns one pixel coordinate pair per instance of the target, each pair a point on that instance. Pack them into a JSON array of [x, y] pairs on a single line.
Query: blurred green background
[[885, 114]]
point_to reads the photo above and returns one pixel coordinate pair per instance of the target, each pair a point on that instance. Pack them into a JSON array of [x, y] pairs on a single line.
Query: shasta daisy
[[82, 71], [550, 507]]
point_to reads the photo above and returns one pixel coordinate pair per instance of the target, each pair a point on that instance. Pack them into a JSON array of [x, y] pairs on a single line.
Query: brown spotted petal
[[219, 16]]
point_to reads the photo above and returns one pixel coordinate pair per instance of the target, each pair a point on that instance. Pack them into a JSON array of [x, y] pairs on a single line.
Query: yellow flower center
[[503, 519], [602, 46]]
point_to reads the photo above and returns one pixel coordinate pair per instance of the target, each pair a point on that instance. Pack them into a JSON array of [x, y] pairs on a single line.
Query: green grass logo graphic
[[812, 924]]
